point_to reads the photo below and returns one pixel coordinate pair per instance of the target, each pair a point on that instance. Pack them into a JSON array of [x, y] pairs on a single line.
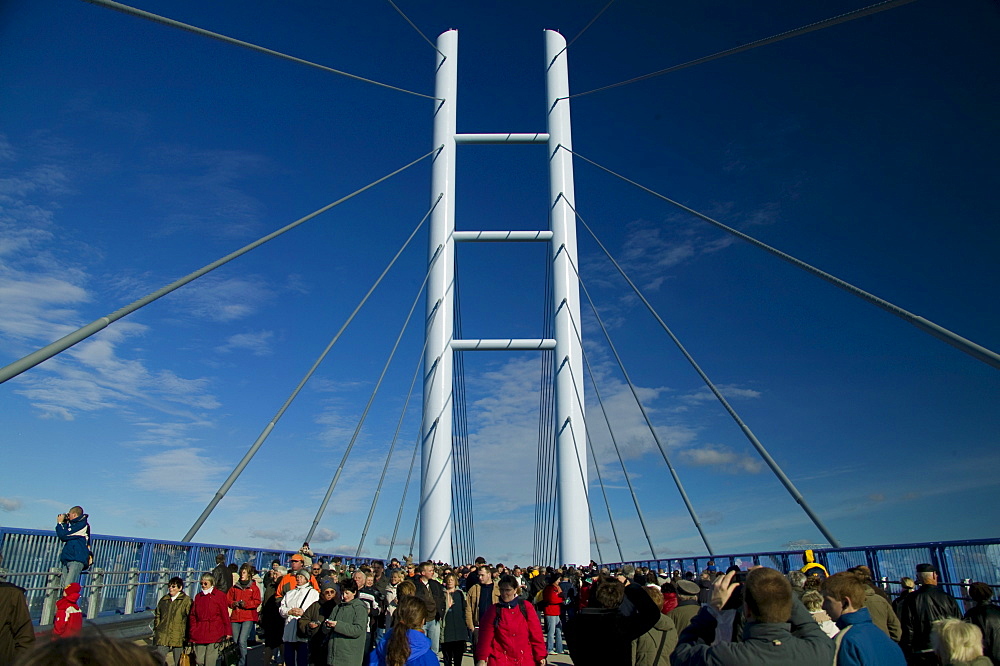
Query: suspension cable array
[[399, 425], [402, 502], [546, 510], [958, 342], [611, 433], [378, 384], [228, 483], [463, 537], [771, 463], [543, 549]]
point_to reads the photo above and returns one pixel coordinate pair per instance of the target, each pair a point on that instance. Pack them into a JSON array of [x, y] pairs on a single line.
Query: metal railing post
[[96, 602], [53, 580], [191, 582], [161, 587], [132, 590]]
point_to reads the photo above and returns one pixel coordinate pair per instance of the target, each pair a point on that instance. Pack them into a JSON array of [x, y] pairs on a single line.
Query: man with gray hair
[[798, 582], [918, 613]]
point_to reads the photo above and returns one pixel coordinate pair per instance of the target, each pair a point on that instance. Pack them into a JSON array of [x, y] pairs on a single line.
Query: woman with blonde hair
[[958, 643], [405, 643], [208, 621]]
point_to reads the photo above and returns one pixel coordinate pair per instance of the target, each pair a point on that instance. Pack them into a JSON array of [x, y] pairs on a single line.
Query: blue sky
[[132, 154]]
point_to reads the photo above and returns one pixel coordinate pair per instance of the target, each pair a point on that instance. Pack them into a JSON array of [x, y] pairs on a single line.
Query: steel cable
[[962, 344], [371, 399], [156, 18], [607, 420], [645, 415], [402, 415], [819, 25], [771, 463], [67, 341], [414, 26], [252, 451]]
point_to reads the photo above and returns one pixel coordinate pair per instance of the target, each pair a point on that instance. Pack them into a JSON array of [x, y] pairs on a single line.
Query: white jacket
[[301, 597]]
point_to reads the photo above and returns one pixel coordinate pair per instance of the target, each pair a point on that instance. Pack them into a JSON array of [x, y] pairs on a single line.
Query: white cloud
[[94, 376], [650, 250], [202, 189], [222, 299], [728, 391], [257, 343], [324, 535], [182, 471], [9, 504], [721, 457], [41, 290]]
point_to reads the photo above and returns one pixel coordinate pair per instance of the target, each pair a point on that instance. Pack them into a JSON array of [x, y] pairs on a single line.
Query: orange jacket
[[287, 583]]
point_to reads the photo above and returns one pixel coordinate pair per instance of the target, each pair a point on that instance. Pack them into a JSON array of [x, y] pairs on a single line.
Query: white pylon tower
[[436, 427]]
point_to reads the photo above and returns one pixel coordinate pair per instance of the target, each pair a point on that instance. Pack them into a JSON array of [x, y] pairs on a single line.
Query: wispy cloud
[[184, 471], [41, 290], [649, 251], [728, 391], [257, 343], [722, 458], [206, 190], [222, 299], [94, 376], [9, 504]]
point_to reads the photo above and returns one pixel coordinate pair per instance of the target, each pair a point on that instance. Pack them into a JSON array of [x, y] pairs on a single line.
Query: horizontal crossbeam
[[509, 344], [501, 236], [502, 138]]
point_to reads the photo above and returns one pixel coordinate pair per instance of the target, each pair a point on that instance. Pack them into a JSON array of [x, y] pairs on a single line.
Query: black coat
[[603, 636], [919, 611], [987, 618], [432, 593]]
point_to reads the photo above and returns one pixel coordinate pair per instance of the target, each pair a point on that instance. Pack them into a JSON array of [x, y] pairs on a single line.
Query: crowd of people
[[311, 611]]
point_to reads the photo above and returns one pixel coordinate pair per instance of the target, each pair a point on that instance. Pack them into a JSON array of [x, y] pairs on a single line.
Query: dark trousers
[[453, 651], [297, 653]]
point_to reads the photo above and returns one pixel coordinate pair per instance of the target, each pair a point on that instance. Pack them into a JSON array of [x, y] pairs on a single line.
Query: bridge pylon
[[438, 399]]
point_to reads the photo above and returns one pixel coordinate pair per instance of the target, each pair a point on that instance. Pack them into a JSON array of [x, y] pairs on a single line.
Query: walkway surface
[[256, 658]]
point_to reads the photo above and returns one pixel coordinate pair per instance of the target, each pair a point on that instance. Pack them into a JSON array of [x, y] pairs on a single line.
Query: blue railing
[[958, 561], [128, 575]]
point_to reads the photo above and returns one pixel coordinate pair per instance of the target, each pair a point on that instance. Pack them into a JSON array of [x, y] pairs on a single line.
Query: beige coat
[[472, 604], [882, 614]]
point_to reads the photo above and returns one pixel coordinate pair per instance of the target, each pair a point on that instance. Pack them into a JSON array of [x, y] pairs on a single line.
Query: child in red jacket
[[69, 617]]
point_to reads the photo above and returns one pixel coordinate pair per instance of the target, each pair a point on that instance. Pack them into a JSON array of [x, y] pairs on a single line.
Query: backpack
[[520, 603]]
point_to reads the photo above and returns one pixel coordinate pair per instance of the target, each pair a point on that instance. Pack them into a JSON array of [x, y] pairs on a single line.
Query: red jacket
[[669, 602], [552, 598], [250, 596], [69, 618], [584, 595], [516, 640], [209, 618]]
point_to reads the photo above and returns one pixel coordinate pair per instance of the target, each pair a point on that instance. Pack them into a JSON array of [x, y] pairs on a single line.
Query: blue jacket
[[76, 536], [865, 643], [420, 650]]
